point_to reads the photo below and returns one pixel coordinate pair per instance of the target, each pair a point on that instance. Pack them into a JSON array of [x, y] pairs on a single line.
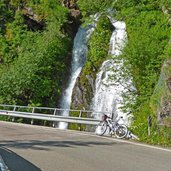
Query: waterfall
[[110, 84], [79, 55]]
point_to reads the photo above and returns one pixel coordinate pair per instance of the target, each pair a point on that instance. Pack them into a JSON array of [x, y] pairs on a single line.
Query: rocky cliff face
[[74, 17], [164, 112], [83, 93], [35, 22], [162, 95]]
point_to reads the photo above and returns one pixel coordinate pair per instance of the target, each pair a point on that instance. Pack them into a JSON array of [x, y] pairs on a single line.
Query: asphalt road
[[36, 148]]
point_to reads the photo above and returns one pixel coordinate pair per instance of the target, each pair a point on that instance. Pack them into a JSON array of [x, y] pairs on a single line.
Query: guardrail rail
[[48, 114]]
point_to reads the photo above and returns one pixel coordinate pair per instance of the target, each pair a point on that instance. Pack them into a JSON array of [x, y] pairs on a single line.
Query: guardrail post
[[13, 119], [14, 108], [79, 125], [80, 114], [32, 121], [149, 125], [54, 113], [158, 127], [33, 110]]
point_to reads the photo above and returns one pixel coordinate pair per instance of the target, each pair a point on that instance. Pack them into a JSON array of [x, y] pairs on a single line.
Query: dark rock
[[71, 4], [74, 17], [33, 24], [32, 20], [83, 93]]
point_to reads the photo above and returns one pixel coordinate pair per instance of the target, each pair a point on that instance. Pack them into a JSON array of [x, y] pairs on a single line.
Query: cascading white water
[[79, 55], [110, 84]]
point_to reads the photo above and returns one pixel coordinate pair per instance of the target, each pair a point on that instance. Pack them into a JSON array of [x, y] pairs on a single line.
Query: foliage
[[145, 55], [89, 7], [98, 45], [5, 15], [33, 63], [148, 35]]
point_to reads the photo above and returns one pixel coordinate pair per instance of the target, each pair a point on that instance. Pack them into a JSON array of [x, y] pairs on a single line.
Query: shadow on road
[[15, 162], [46, 145]]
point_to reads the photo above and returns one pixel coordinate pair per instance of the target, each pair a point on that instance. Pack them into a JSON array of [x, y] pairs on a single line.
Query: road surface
[[36, 148]]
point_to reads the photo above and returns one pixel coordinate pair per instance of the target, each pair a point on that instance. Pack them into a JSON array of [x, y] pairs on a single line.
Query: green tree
[[89, 7], [34, 62]]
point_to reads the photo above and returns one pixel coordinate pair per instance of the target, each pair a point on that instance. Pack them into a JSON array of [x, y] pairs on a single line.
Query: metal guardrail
[[79, 120], [47, 114]]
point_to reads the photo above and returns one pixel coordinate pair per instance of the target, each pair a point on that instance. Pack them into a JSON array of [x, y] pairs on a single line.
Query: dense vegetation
[[149, 33], [34, 52]]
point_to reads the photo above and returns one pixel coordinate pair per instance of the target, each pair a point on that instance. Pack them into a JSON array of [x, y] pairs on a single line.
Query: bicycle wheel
[[121, 131], [101, 128]]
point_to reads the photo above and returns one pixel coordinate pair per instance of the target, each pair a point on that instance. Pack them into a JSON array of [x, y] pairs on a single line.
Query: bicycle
[[119, 130]]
